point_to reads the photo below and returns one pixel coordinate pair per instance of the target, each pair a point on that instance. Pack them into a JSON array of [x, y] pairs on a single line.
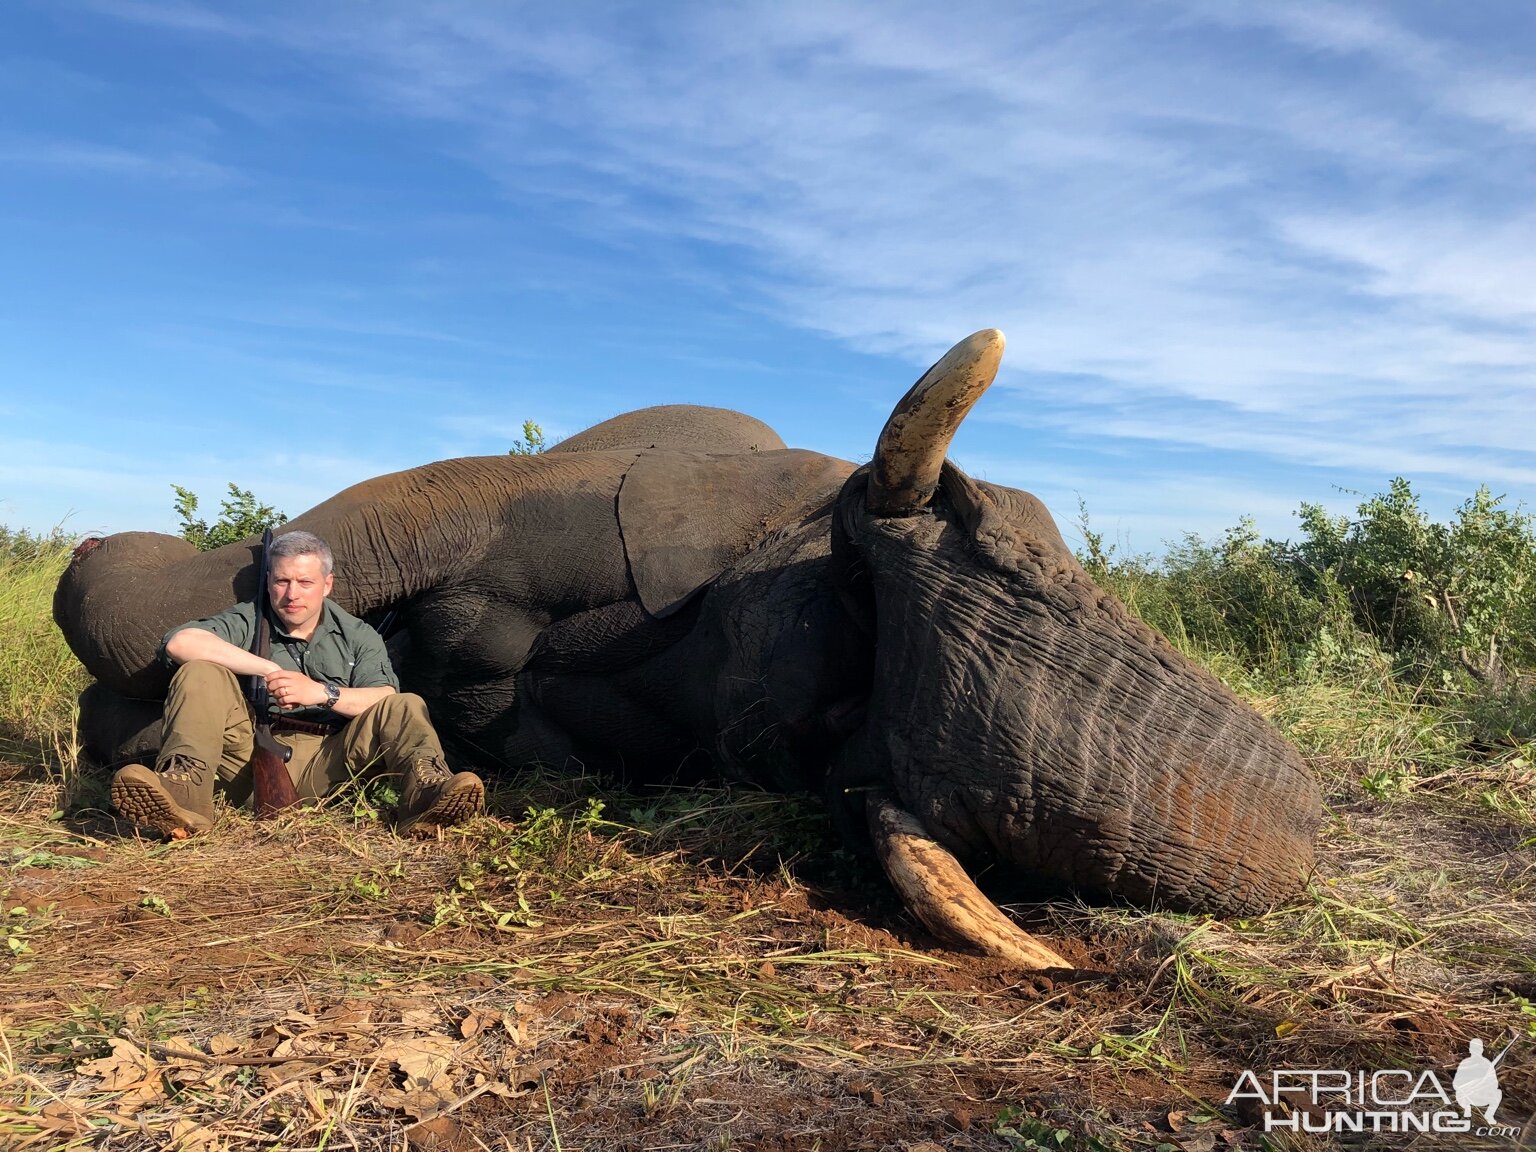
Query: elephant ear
[[688, 516]]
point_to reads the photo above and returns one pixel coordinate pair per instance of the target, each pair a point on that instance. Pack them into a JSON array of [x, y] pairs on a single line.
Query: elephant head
[[921, 645], [1003, 709]]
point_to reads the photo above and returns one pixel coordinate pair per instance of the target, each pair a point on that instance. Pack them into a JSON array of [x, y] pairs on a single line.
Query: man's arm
[[296, 690], [199, 644]]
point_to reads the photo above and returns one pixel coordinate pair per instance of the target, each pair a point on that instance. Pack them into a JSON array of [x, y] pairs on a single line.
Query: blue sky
[[1245, 255]]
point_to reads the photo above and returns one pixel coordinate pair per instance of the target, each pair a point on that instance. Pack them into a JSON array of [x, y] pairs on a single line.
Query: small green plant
[[371, 888], [17, 929], [240, 517], [532, 442], [1527, 1013], [156, 904], [1387, 782], [42, 858], [1024, 1131], [660, 1096]]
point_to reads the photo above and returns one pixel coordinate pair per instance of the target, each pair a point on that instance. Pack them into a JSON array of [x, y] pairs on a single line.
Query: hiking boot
[[175, 799], [435, 797]]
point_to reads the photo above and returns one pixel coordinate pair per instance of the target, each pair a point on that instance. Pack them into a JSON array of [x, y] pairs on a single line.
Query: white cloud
[[1300, 231], [113, 161]]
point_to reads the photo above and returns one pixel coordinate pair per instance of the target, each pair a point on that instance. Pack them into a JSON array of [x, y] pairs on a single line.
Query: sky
[[1245, 256]]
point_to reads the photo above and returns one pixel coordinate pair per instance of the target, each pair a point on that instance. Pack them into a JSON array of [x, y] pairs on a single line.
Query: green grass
[[39, 676]]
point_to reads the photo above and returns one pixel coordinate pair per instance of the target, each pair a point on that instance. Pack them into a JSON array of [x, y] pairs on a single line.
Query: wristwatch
[[332, 695]]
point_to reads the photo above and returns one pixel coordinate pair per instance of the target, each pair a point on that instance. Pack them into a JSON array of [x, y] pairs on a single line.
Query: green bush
[[531, 444], [1414, 628], [240, 517], [1453, 599]]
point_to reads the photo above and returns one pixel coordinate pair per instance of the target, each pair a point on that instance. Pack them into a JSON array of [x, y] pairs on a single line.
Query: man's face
[[298, 586]]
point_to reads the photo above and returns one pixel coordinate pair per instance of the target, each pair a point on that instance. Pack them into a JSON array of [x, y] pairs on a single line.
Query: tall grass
[[39, 676]]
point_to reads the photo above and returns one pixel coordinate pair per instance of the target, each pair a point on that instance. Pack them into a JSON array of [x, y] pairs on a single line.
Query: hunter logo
[[1384, 1100]]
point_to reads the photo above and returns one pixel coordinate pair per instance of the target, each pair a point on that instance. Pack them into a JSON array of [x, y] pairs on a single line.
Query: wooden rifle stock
[[272, 787]]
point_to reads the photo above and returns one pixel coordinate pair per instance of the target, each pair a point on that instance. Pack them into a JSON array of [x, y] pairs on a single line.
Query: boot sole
[[463, 798], [148, 806]]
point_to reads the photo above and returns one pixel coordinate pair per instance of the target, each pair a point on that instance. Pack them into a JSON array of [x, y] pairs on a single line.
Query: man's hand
[[294, 689]]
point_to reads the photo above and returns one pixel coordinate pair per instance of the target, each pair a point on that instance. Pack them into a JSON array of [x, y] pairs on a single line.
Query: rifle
[[271, 787]]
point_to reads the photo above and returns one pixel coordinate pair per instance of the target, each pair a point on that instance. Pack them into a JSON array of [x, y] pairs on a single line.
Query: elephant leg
[[117, 729]]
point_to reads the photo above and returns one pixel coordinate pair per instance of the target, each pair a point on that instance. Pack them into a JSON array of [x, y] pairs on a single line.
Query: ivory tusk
[[914, 441], [934, 886]]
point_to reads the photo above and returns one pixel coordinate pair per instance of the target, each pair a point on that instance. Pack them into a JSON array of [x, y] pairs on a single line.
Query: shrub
[[1402, 622], [240, 517], [531, 444], [1452, 600]]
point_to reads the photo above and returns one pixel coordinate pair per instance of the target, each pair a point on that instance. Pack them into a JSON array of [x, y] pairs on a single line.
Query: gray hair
[[303, 544]]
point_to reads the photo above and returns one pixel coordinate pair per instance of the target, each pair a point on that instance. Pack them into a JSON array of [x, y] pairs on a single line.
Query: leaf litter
[[566, 980]]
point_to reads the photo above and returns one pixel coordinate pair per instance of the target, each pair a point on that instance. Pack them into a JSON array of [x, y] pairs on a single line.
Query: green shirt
[[342, 650]]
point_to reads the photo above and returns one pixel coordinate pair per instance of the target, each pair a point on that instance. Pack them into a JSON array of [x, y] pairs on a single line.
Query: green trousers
[[207, 720]]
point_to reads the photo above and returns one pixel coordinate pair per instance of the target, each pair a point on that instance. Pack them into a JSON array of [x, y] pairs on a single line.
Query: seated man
[[334, 702]]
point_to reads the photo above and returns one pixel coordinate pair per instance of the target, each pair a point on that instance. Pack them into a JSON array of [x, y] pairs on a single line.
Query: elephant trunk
[[1023, 715]]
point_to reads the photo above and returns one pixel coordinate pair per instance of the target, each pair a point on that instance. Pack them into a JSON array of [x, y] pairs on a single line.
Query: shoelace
[[431, 772], [184, 768]]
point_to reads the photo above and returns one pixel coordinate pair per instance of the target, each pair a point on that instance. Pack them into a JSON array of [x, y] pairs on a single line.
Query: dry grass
[[612, 971]]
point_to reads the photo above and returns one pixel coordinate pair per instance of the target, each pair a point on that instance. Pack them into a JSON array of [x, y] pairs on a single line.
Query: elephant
[[676, 426], [673, 590]]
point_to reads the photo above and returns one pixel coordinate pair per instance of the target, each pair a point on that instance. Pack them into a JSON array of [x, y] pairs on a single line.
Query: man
[[335, 702]]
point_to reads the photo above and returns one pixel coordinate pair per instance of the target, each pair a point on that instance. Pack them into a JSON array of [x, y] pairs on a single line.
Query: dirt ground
[[703, 969]]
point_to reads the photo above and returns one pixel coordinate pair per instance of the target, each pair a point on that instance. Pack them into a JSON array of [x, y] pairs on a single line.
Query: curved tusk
[[911, 448], [932, 884]]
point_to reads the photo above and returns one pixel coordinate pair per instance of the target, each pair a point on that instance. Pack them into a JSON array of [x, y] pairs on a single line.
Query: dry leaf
[[424, 1019], [516, 1029], [442, 1132], [476, 1022], [418, 1100], [189, 1136], [421, 1058], [59, 1117], [349, 1014], [126, 1067], [520, 1077], [297, 1046], [222, 1044]]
